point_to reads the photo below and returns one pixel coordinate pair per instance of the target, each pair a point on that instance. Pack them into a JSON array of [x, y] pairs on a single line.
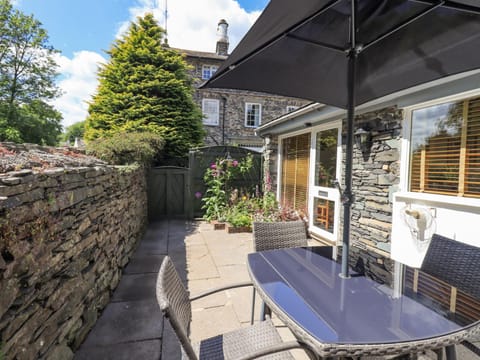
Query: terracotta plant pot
[[217, 225], [238, 229]]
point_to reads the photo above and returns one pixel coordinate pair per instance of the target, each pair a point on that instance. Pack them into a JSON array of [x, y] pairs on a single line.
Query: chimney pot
[[222, 36]]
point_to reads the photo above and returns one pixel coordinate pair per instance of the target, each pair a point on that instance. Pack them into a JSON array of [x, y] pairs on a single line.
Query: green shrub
[[240, 220], [241, 211], [127, 148], [219, 193]]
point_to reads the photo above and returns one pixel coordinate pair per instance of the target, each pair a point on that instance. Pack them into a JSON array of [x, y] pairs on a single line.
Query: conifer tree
[[145, 87]]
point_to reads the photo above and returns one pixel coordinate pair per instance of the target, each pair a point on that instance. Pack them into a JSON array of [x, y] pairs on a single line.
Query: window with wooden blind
[[295, 169], [445, 149], [447, 299]]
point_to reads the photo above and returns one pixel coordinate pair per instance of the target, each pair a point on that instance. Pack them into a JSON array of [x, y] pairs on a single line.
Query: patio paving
[[131, 326]]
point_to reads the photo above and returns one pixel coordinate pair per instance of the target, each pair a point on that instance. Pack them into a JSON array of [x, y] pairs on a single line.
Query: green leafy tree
[[27, 79], [73, 131], [39, 123], [145, 87]]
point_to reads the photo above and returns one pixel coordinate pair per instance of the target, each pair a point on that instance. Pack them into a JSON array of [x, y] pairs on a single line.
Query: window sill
[[460, 203]]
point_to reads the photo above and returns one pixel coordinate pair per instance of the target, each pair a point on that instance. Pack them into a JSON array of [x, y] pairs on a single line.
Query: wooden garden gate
[[168, 193]]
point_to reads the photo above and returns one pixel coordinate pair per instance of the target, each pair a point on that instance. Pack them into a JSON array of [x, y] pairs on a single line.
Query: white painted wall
[[457, 218]]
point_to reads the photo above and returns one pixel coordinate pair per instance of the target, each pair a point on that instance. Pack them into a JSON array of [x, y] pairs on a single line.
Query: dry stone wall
[[65, 235]]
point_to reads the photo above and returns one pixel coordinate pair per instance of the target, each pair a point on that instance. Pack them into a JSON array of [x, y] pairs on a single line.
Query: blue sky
[[83, 29]]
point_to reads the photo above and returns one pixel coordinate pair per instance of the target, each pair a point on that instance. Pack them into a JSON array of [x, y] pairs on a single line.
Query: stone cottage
[[231, 116], [417, 150]]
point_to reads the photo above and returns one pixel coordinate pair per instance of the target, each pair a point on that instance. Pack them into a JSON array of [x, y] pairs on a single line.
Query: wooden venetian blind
[[472, 154], [448, 161], [448, 298], [295, 169]]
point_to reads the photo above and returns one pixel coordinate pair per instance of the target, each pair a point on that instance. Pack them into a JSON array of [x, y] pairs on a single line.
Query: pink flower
[[213, 166], [235, 163], [198, 194]]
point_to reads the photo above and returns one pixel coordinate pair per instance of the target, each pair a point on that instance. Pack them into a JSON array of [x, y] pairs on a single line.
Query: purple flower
[[235, 163], [198, 194], [213, 166]]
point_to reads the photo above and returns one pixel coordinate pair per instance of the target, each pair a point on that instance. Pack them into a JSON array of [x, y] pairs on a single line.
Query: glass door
[[324, 198]]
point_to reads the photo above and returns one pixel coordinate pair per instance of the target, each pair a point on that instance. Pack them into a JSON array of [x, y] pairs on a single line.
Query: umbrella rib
[[318, 43], [402, 25], [452, 5]]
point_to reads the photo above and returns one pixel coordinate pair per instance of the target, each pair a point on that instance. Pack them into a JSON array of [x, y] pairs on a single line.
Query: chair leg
[[252, 316], [265, 311], [451, 353], [439, 353], [262, 311]]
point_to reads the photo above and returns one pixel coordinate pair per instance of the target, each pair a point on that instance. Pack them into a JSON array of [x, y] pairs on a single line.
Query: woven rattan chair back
[[175, 304], [279, 235], [454, 262]]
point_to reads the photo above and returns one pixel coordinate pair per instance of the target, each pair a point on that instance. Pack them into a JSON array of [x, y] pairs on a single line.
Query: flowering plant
[[219, 191]]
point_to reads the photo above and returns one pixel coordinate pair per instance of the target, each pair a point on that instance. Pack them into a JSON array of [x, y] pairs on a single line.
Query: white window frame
[[208, 71], [405, 145], [211, 118], [334, 194], [427, 199], [258, 121]]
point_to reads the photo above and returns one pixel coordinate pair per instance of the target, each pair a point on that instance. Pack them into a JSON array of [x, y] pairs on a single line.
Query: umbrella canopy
[[348, 52]]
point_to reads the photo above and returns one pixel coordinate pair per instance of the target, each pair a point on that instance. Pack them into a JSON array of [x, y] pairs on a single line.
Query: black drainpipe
[[223, 119]]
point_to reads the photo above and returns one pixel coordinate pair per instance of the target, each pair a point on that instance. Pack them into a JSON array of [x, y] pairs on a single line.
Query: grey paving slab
[[200, 264], [135, 287], [132, 327], [213, 321], [126, 322], [148, 349], [144, 263], [157, 230], [170, 345], [153, 246]]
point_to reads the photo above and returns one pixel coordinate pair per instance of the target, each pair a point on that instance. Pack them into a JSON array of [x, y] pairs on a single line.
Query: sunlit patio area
[[132, 327]]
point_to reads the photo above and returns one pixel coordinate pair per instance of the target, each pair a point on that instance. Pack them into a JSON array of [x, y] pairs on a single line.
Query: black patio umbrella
[[348, 52]]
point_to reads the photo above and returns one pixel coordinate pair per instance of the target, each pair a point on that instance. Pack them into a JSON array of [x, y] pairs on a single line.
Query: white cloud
[[78, 83], [192, 24]]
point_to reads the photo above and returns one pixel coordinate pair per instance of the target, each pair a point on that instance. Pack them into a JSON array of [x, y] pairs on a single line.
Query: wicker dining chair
[[457, 264], [276, 235], [262, 339]]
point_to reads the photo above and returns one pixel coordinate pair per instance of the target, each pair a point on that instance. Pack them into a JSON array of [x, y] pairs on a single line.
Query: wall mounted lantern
[[363, 139]]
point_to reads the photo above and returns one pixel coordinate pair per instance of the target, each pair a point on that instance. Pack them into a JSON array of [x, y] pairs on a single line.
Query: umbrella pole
[[347, 197]]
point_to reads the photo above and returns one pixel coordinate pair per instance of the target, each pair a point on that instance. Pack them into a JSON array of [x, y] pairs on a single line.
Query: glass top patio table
[[303, 287]]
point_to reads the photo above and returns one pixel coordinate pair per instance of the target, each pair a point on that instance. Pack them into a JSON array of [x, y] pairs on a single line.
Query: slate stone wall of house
[[270, 161], [231, 129], [376, 175], [65, 235]]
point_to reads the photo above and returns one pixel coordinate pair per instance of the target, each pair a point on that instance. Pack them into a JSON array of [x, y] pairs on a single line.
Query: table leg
[[253, 308], [450, 352]]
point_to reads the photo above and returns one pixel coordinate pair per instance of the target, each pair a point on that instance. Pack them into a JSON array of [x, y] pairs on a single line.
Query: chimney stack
[[222, 35]]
